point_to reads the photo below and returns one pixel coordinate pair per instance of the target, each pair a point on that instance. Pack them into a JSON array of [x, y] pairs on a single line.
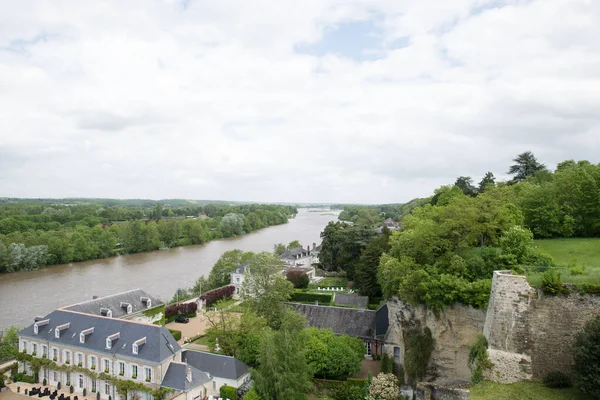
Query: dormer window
[[84, 333], [106, 312], [146, 301], [136, 345], [61, 328], [127, 306], [36, 326], [111, 338]]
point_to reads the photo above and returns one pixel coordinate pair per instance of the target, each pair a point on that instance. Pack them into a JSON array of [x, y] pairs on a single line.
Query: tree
[[487, 181], [465, 183], [365, 279], [279, 249], [525, 165], [264, 288], [586, 366], [298, 278], [342, 245], [283, 372], [252, 395], [331, 356], [232, 225], [294, 244], [9, 342], [228, 262]]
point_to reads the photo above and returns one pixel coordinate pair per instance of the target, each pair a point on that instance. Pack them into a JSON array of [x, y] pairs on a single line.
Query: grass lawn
[[202, 341], [330, 282], [223, 303], [584, 253], [522, 391]]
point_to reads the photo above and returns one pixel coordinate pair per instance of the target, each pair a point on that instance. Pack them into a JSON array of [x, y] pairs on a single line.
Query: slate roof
[[159, 345], [294, 252], [113, 302], [216, 365], [241, 269], [350, 299], [342, 321], [175, 378]]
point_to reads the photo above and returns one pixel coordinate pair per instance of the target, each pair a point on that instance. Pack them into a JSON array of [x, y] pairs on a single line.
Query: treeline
[[449, 245], [85, 232], [371, 215]]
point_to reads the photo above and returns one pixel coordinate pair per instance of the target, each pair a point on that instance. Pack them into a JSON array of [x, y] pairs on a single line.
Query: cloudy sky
[[290, 100]]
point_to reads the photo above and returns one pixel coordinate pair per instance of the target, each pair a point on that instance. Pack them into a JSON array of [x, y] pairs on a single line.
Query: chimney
[[188, 376], [314, 246], [94, 297]]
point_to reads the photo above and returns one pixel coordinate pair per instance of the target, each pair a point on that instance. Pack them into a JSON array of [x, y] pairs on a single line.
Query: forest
[[450, 243], [42, 232]]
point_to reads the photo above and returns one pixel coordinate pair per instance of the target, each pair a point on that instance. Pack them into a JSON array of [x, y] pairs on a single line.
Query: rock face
[[429, 391], [454, 329]]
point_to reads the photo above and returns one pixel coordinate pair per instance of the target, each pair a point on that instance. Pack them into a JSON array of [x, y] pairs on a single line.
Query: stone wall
[[454, 329], [431, 391], [530, 334]]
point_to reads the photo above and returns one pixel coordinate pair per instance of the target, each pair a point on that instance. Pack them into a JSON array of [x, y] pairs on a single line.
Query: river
[[24, 295]]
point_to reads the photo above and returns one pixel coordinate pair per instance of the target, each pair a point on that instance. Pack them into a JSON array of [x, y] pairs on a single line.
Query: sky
[[354, 101]]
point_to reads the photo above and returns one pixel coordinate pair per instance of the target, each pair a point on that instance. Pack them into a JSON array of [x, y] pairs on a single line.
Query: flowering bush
[[217, 294], [184, 308], [384, 386]]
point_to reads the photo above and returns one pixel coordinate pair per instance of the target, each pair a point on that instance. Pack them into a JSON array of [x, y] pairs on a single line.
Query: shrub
[[58, 385], [386, 364], [299, 278], [21, 377], [84, 391], [182, 308], [176, 334], [551, 282], [419, 345], [217, 294], [311, 297], [557, 380], [228, 392], [478, 358], [71, 389], [44, 382], [385, 387], [586, 366], [576, 271], [251, 395], [2, 381]]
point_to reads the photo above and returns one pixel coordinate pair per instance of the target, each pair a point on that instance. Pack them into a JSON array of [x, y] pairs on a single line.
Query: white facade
[[215, 385]]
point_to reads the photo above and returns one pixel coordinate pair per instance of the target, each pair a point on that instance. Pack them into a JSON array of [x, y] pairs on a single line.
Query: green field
[[582, 253], [522, 391]]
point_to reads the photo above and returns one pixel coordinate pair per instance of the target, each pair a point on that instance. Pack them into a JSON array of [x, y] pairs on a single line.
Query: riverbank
[[24, 295]]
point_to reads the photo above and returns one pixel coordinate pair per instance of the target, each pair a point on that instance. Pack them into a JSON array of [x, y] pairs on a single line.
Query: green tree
[[228, 262], [465, 183], [365, 279], [279, 249], [586, 358], [9, 342], [342, 245], [487, 181], [232, 224], [525, 165], [294, 244], [264, 288], [283, 372]]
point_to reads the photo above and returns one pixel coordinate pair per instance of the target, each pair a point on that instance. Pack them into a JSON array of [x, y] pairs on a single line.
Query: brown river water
[[24, 295]]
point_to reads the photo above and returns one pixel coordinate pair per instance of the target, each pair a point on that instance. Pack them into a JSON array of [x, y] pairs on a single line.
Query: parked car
[[182, 320]]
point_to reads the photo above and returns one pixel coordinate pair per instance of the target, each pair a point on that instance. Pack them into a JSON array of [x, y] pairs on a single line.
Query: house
[[301, 256], [368, 325], [390, 224], [237, 279], [224, 370], [94, 344]]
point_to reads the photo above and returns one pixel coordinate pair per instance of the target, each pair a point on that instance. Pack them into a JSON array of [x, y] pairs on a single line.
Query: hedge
[[217, 294], [322, 298], [182, 308], [21, 377], [228, 392], [176, 334]]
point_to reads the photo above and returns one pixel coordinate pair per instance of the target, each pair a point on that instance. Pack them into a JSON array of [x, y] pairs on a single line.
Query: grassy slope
[[522, 391], [586, 253]]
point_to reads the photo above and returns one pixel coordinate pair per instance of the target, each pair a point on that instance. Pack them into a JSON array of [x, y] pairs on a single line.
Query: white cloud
[[154, 99]]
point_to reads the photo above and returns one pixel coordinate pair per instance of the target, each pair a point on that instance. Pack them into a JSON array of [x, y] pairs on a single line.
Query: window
[[24, 349], [135, 348], [44, 351], [93, 362], [106, 389], [237, 280], [107, 366], [121, 368], [94, 385], [45, 373], [108, 343], [33, 349], [148, 374], [134, 371], [397, 353], [80, 359], [55, 376], [68, 378], [55, 354], [214, 385], [149, 303], [67, 357], [80, 381], [368, 346]]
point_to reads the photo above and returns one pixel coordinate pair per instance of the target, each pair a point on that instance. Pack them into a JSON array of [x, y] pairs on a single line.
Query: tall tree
[[465, 183], [264, 288], [294, 244], [279, 249], [342, 245], [283, 372], [488, 180], [525, 165], [225, 265], [365, 279]]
